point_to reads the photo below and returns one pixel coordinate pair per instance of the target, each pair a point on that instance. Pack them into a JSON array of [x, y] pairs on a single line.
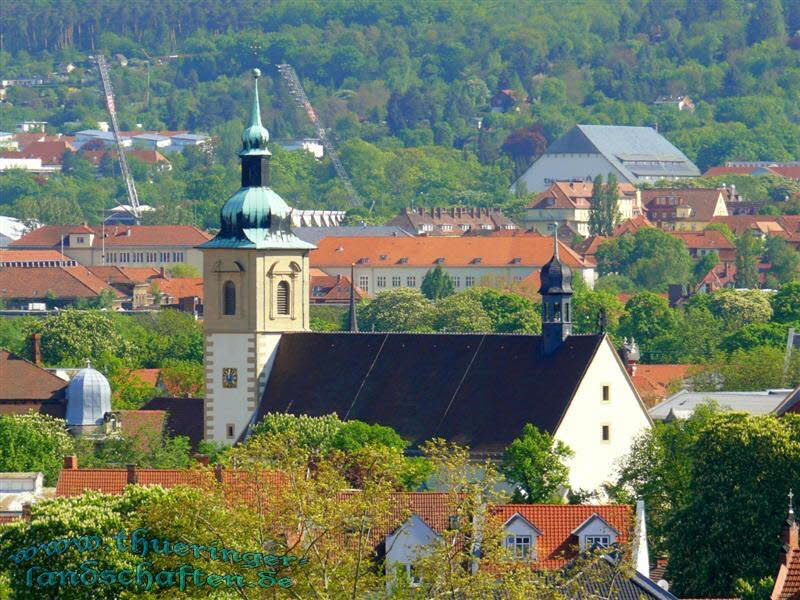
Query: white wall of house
[[136, 256], [412, 541], [581, 428], [549, 168]]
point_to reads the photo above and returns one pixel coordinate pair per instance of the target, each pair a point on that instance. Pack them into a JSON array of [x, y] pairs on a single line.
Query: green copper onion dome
[[255, 136], [255, 216]]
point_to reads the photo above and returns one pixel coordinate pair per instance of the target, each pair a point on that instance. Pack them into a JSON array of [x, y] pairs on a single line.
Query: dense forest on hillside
[[402, 86]]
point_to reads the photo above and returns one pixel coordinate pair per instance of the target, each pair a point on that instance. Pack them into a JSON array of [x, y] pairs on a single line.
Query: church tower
[[556, 292], [256, 286]]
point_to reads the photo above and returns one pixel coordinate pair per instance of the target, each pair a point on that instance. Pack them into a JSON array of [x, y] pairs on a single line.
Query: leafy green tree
[[739, 461], [587, 306], [183, 270], [33, 442], [403, 309], [647, 317], [437, 284], [784, 262], [754, 335], [657, 469], [786, 303], [723, 229], [596, 209], [535, 464], [651, 258], [766, 21], [740, 307], [758, 368], [461, 313], [704, 265], [146, 449], [509, 313], [748, 253], [183, 378], [72, 337]]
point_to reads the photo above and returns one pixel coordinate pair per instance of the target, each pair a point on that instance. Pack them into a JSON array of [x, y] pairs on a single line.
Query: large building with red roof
[[387, 263], [123, 246]]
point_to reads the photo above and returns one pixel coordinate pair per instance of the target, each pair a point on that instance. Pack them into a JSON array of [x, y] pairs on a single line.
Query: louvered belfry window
[[283, 298]]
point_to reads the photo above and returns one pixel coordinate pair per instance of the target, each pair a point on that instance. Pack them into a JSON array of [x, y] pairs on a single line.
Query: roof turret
[[88, 398], [556, 276], [255, 136]]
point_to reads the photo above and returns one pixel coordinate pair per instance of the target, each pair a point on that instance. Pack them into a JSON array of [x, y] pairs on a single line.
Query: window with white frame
[[380, 281], [599, 541], [363, 282], [414, 579], [457, 281], [411, 281], [395, 282], [520, 546], [469, 281]]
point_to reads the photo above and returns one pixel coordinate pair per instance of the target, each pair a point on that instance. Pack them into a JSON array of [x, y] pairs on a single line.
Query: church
[[477, 390]]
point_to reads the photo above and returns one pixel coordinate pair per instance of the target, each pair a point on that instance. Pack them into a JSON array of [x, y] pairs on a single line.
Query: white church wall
[[595, 460]]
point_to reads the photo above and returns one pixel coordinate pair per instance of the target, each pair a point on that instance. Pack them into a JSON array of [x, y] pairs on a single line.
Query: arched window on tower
[[229, 298], [283, 298]]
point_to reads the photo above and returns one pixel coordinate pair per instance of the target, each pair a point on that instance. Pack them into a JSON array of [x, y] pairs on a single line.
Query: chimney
[[36, 338], [70, 462], [26, 511], [218, 473], [131, 474]]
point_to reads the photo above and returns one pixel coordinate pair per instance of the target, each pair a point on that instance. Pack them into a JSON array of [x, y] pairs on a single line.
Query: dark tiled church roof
[[477, 389]]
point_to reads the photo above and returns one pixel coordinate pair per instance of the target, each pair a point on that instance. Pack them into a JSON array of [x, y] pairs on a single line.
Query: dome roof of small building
[[556, 276], [88, 398]]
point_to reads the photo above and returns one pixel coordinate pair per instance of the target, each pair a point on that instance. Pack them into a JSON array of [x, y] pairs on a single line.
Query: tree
[[403, 309], [183, 270], [523, 146], [723, 229], [766, 21], [754, 335], [657, 469], [743, 467], [509, 313], [33, 442], [759, 368], [651, 258], [535, 464], [183, 378], [604, 210], [461, 313], [72, 337], [784, 262], [740, 307], [596, 209], [647, 317], [437, 284], [704, 265], [748, 253], [587, 306], [786, 303]]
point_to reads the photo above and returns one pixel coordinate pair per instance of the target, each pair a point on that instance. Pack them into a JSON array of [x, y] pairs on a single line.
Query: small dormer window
[[519, 546], [598, 541]]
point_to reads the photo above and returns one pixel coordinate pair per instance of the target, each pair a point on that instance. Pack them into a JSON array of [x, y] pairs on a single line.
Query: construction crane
[[296, 89], [133, 197]]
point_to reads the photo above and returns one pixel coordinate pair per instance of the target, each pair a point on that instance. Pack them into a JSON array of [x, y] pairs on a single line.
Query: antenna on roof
[[353, 320]]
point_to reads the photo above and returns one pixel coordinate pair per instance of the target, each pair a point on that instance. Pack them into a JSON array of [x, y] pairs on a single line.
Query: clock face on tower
[[230, 377]]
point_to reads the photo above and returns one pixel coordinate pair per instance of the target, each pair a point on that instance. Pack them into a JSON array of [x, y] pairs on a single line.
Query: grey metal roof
[[683, 404], [314, 234], [88, 398], [622, 145]]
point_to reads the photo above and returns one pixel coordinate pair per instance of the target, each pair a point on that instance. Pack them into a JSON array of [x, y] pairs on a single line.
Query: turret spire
[[255, 136], [555, 240]]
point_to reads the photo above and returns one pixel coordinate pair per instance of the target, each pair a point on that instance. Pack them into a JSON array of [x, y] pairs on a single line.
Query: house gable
[[587, 416], [409, 542], [593, 530]]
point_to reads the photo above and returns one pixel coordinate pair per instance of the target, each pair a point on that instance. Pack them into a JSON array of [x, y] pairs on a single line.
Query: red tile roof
[[532, 251], [568, 194], [632, 225], [51, 152], [241, 484], [787, 585], [589, 246], [22, 380], [652, 381], [148, 157], [148, 376], [184, 416], [63, 282], [180, 287], [706, 240], [11, 258], [333, 289], [50, 236], [125, 275], [145, 427], [702, 201], [557, 545]]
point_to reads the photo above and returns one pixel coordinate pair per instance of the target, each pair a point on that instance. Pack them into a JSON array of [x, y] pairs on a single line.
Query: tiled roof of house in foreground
[[23, 381]]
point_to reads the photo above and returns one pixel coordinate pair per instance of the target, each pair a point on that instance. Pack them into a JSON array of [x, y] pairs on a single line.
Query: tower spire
[[353, 319], [255, 136], [555, 240]]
